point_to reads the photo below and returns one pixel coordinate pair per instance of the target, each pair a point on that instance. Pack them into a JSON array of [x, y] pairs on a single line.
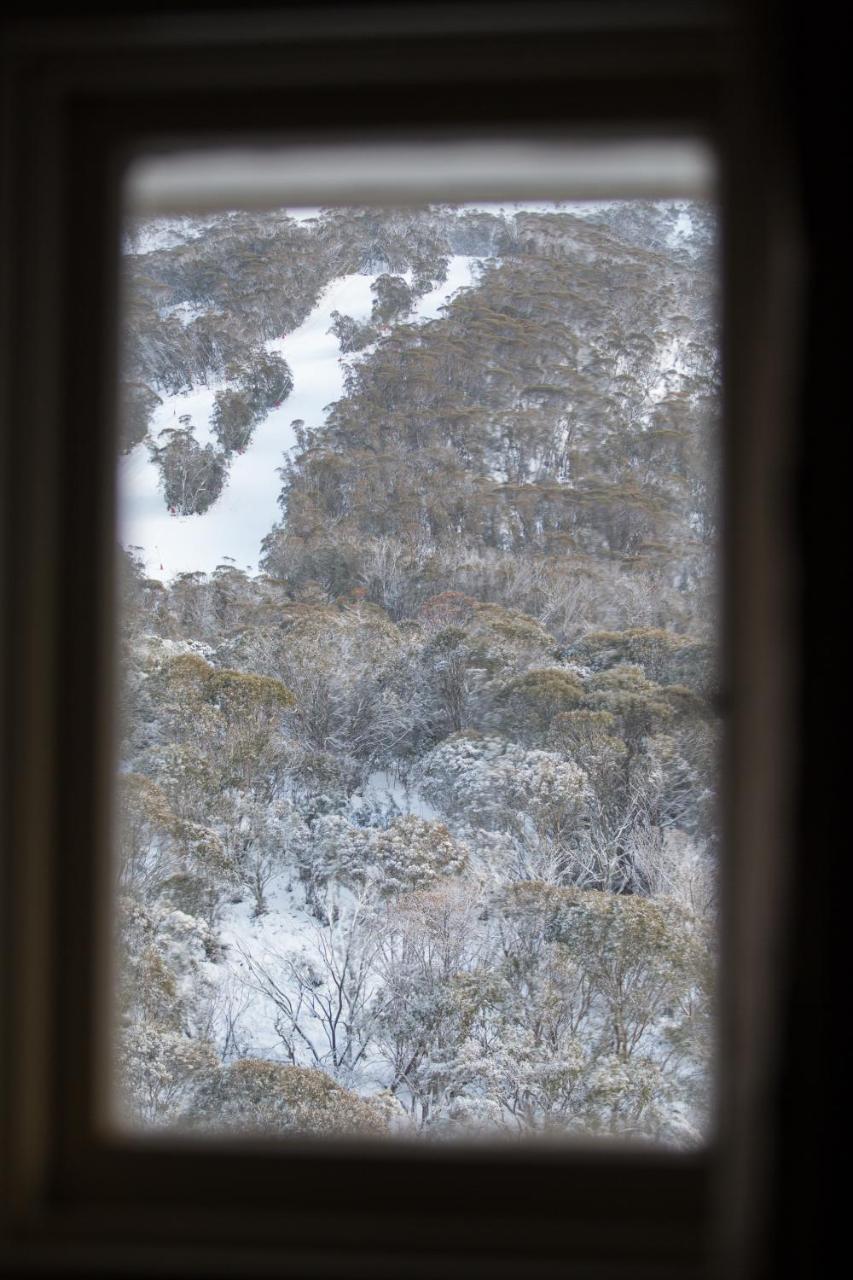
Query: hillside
[[419, 743]]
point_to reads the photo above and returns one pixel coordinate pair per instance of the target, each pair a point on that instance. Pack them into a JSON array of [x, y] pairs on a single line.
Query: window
[[81, 102], [418, 756]]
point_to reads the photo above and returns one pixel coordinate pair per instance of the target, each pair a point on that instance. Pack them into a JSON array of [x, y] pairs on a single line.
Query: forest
[[417, 821]]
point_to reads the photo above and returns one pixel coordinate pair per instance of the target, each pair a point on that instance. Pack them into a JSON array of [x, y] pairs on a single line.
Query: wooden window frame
[[77, 96]]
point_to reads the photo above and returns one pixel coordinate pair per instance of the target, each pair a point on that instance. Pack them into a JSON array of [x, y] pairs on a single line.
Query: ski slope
[[247, 509]]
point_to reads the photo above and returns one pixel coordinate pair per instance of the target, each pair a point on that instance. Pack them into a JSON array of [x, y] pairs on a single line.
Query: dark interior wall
[[808, 1105], [799, 87]]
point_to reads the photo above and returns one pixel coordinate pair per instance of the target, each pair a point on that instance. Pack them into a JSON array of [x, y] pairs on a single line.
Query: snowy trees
[[539, 377], [164, 851], [392, 298], [413, 853], [533, 957], [664, 656], [229, 720], [262, 837], [409, 853], [540, 1009], [428, 945], [530, 702], [136, 405], [192, 475], [417, 826], [232, 419], [351, 335], [256, 386]]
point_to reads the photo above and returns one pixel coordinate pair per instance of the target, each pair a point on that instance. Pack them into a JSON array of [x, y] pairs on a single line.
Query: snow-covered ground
[[248, 507], [388, 792], [287, 929]]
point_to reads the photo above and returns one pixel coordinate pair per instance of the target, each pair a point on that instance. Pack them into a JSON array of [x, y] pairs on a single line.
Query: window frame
[[77, 96]]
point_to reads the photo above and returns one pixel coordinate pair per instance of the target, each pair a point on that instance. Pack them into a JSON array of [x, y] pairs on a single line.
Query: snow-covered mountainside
[[418, 762], [242, 516]]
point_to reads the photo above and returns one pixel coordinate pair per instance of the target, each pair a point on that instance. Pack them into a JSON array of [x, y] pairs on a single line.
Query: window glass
[[416, 797]]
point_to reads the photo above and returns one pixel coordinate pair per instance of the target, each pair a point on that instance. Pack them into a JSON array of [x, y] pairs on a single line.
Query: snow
[[248, 508], [390, 792], [198, 403], [460, 275], [287, 928]]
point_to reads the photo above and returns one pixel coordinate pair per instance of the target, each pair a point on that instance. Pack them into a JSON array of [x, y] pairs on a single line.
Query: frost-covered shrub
[[254, 1095], [510, 633], [639, 706], [163, 966], [497, 785], [162, 1050], [336, 850], [410, 853], [160, 1070], [184, 941], [413, 853], [625, 1096], [456, 777], [322, 781], [590, 739], [188, 893]]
